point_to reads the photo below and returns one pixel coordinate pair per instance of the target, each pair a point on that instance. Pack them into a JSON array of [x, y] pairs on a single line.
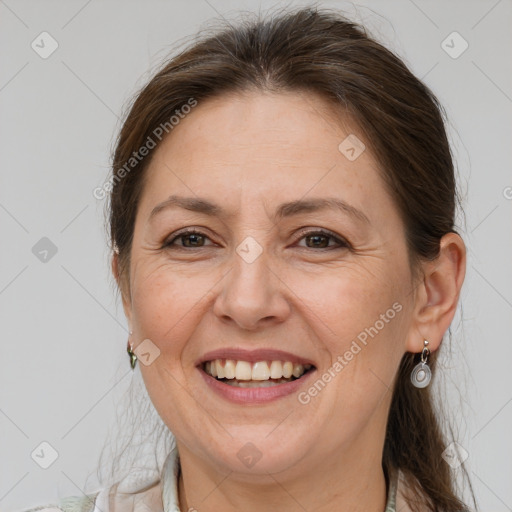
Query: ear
[[437, 294], [122, 285]]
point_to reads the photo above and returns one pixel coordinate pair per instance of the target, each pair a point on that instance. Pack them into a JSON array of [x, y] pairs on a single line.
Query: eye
[[195, 239], [320, 239], [191, 238]]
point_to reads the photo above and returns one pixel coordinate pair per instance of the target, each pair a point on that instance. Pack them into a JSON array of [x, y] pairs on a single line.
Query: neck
[[330, 486]]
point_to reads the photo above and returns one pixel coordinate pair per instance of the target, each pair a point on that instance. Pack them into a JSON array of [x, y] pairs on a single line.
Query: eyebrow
[[289, 209]]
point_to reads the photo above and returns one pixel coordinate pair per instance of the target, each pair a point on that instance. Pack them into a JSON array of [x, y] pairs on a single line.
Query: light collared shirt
[[160, 496]]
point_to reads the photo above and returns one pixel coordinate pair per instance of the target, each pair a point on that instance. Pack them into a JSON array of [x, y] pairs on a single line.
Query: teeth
[[243, 370], [230, 369], [259, 371], [298, 370], [276, 370], [220, 370], [287, 370], [255, 384]]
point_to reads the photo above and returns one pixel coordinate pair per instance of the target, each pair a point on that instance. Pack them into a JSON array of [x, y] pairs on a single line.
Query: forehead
[[264, 146], [286, 123]]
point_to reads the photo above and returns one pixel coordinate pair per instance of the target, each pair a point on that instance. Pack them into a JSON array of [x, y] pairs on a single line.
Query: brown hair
[[319, 51]]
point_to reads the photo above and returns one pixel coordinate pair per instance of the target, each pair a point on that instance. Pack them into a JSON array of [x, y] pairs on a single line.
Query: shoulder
[[69, 504], [407, 499], [401, 492], [148, 498]]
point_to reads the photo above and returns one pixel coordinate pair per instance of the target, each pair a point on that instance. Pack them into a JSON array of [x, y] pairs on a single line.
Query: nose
[[252, 294]]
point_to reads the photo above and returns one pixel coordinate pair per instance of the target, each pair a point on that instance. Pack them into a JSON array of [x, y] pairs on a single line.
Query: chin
[[255, 452]]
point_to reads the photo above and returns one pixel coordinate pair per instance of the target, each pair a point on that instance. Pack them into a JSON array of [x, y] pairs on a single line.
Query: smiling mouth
[[260, 374]]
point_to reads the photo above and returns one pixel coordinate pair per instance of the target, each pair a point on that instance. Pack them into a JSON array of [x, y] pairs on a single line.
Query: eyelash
[[343, 244]]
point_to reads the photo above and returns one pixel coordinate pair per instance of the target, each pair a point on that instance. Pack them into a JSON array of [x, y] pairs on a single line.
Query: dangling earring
[[421, 374], [133, 357]]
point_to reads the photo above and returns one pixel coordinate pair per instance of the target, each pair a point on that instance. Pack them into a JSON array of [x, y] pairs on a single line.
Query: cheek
[[351, 302], [360, 321], [166, 304], [359, 318]]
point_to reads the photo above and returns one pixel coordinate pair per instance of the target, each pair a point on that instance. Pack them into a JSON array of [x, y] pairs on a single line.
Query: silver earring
[[421, 374]]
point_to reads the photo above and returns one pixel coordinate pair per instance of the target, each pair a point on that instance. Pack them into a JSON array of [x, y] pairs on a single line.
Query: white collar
[[170, 481]]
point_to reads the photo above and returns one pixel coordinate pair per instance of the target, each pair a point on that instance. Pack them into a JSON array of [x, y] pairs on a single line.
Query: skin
[[249, 153]]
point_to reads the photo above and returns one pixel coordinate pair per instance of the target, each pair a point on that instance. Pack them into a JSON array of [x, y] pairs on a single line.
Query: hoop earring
[[421, 374], [131, 354]]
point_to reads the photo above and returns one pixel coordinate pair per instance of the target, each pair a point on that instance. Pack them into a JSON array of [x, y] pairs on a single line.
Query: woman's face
[[258, 282]]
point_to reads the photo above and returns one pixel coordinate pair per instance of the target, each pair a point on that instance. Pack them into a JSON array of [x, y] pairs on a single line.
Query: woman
[[282, 223]]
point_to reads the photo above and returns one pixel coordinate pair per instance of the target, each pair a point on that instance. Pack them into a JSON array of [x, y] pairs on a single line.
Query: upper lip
[[253, 356]]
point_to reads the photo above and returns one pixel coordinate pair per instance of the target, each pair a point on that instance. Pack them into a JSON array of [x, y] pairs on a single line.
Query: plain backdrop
[[63, 359]]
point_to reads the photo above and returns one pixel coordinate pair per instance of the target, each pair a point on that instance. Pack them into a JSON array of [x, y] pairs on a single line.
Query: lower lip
[[255, 395]]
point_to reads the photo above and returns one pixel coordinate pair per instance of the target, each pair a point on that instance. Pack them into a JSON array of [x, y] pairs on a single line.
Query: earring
[[421, 374], [133, 357]]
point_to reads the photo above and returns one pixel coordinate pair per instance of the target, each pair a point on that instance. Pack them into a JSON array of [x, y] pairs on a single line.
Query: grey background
[[63, 359]]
